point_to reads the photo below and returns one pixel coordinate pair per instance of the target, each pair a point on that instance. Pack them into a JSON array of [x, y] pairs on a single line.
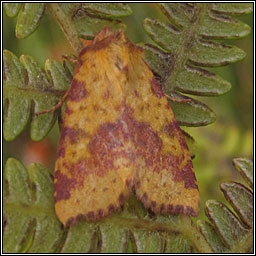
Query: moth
[[119, 134]]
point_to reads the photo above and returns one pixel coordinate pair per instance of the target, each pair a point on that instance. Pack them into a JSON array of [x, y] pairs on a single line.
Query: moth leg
[[60, 103], [69, 58], [85, 42], [55, 107], [177, 100]]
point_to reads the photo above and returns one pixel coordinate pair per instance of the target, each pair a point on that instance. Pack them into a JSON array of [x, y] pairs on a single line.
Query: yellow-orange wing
[[119, 132]]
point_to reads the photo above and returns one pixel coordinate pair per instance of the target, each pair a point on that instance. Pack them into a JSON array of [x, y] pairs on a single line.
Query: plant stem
[[185, 227], [67, 27]]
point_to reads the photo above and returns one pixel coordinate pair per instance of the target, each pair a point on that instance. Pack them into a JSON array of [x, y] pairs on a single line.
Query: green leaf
[[179, 14], [28, 19], [27, 90], [212, 54], [192, 113], [218, 26], [186, 41], [79, 238], [189, 79], [227, 224], [202, 52], [241, 200], [85, 20], [58, 75], [147, 242], [190, 142], [17, 109], [227, 233], [87, 27], [176, 244], [245, 168], [159, 61], [29, 211], [12, 9], [113, 238], [108, 10], [163, 34], [211, 236], [233, 8], [75, 19], [197, 81]]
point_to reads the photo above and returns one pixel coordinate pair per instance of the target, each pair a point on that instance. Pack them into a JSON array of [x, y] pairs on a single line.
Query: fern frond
[[28, 89], [29, 16], [30, 223], [186, 44], [85, 18], [228, 232]]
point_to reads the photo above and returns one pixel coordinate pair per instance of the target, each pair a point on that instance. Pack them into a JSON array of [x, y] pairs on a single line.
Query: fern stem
[[67, 27], [182, 55], [187, 229], [196, 237]]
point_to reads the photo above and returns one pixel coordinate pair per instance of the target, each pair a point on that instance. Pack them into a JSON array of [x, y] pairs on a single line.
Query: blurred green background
[[216, 145]]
